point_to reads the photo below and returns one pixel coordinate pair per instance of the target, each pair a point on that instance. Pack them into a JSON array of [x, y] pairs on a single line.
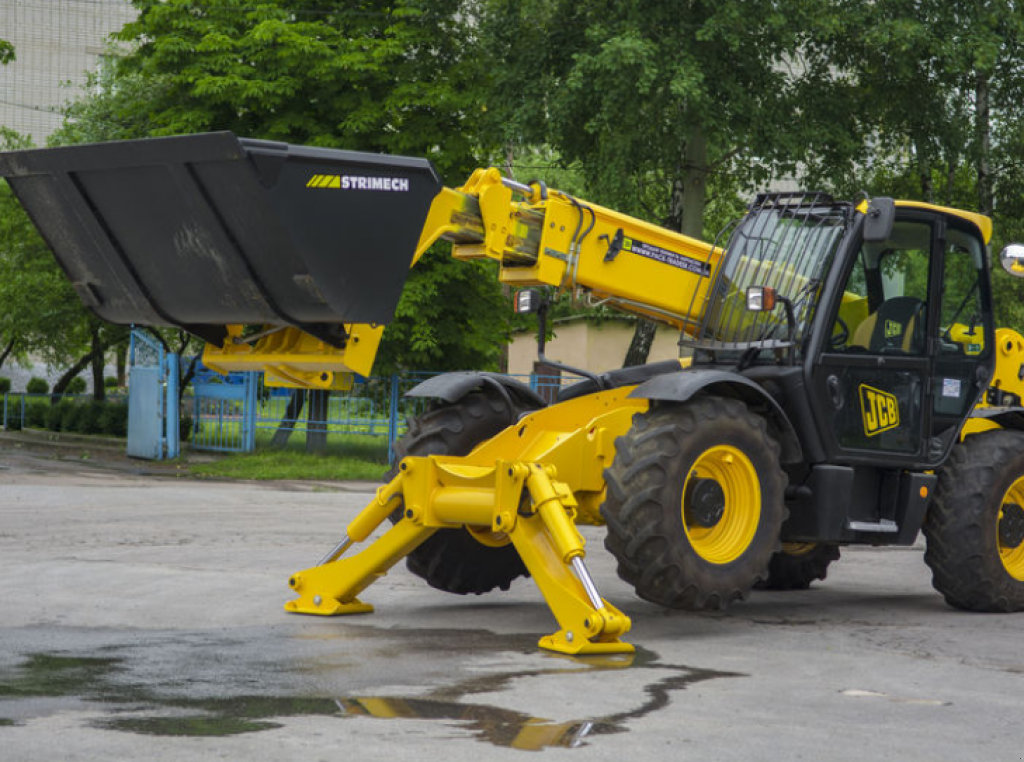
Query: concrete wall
[[588, 345]]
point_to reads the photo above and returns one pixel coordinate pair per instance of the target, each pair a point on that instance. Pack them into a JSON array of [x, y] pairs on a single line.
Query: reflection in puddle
[[142, 710]]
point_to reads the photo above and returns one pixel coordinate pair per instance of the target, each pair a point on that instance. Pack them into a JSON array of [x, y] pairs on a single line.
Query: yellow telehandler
[[843, 381]]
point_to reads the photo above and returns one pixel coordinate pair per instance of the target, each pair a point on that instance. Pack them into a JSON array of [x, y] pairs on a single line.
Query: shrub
[[115, 420], [55, 416], [90, 418], [110, 382], [14, 414], [37, 385], [35, 414], [5, 385], [76, 386], [70, 416], [185, 427]]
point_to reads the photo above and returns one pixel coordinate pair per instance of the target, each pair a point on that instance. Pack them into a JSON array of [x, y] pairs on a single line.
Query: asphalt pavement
[[142, 619]]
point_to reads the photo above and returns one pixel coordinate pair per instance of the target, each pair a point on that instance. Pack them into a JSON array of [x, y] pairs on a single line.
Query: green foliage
[[55, 415], [114, 420], [648, 99], [41, 312], [5, 385], [6, 52], [77, 385], [71, 416], [451, 317], [37, 385], [383, 75], [185, 427], [35, 414], [90, 419], [110, 382]]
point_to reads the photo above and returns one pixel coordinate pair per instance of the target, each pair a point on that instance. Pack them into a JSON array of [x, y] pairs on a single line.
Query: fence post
[[393, 418], [173, 407], [250, 411]]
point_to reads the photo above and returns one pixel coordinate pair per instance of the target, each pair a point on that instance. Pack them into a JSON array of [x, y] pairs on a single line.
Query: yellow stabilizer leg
[[331, 589], [552, 550]]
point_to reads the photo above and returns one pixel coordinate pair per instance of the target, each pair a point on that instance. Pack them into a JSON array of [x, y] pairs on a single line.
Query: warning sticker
[[671, 258]]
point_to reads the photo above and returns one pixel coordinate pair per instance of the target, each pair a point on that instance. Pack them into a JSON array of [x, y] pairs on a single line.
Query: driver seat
[[897, 325]]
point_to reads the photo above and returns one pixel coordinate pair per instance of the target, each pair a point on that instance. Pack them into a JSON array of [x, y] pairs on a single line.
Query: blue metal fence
[[237, 413]]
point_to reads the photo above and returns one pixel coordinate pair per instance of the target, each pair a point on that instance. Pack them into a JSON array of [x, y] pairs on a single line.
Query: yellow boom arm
[[539, 238]]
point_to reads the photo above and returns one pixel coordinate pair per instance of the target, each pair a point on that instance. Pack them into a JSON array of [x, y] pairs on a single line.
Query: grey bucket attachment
[[206, 230]]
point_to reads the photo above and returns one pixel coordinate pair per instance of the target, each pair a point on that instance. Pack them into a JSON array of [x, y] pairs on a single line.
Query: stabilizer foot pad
[[327, 608], [564, 643]]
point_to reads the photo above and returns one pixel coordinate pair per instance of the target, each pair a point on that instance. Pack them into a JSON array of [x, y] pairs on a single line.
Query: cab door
[[910, 338], [871, 381]]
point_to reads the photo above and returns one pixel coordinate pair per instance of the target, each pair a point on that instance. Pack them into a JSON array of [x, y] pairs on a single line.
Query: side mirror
[[879, 218], [1012, 259]]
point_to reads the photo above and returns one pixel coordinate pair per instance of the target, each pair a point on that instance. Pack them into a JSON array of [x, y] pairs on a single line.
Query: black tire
[[795, 567], [664, 451], [451, 559], [975, 526]]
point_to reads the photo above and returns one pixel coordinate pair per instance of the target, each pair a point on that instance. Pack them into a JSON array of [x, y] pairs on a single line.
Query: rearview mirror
[[1012, 259], [878, 220]]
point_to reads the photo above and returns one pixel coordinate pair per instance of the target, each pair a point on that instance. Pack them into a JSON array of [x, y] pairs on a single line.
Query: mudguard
[[451, 387], [682, 386]]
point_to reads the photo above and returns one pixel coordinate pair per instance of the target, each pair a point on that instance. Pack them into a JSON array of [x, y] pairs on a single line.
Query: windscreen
[[786, 242]]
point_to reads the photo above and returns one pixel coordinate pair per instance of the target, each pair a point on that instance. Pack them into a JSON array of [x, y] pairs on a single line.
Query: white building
[[56, 44]]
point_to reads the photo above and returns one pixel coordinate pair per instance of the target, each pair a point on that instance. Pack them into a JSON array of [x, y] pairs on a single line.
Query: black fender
[[682, 386], [1007, 417], [452, 387]]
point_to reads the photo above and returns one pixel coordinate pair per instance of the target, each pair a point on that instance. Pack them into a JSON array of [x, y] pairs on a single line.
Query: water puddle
[[136, 708]]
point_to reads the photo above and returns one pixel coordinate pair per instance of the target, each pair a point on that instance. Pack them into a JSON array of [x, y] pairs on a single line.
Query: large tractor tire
[[695, 503], [797, 565], [454, 560], [975, 526]]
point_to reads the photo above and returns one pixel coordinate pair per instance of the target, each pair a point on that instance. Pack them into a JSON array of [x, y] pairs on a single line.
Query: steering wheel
[[838, 340]]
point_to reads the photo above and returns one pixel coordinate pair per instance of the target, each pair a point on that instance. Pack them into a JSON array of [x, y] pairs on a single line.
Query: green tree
[[935, 109], [654, 100], [41, 312]]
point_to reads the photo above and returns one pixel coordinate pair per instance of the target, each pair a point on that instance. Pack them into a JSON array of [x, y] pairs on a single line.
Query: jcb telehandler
[[844, 383]]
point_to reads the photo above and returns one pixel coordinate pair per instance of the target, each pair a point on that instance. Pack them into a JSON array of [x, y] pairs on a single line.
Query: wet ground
[[142, 619]]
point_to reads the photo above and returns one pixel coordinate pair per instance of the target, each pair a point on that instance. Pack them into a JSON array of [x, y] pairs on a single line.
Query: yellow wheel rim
[[721, 504], [1011, 549]]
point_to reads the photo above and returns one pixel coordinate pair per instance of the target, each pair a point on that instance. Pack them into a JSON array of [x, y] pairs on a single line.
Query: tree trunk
[[99, 392], [686, 215], [121, 352], [62, 383], [187, 377], [640, 345], [316, 422], [7, 350], [924, 172], [291, 417], [983, 138]]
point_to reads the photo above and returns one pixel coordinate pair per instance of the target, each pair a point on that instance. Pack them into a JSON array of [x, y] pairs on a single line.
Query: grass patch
[[292, 464]]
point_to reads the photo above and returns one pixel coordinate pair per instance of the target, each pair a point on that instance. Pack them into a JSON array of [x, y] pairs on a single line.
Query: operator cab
[[882, 311]]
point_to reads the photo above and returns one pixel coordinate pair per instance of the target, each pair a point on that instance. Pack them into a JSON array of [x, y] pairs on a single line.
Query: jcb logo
[[880, 410], [893, 329]]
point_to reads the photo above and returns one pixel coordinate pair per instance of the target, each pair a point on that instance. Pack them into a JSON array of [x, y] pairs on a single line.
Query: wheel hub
[[705, 503], [1011, 526]]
